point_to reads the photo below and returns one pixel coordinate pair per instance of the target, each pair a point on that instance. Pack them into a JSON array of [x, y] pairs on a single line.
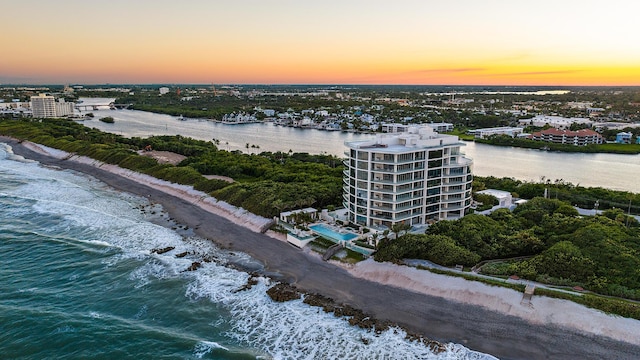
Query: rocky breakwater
[[283, 292]]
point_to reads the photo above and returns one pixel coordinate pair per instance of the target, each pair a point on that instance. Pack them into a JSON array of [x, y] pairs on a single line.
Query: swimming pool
[[331, 234]]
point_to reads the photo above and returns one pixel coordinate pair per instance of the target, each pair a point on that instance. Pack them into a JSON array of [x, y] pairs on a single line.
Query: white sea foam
[[204, 347], [294, 330], [6, 152]]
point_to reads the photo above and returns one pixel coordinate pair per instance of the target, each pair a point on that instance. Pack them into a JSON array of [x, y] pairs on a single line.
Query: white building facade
[[64, 108], [43, 106], [414, 177]]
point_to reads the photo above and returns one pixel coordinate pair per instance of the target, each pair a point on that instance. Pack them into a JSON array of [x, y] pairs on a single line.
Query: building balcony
[[446, 207], [451, 183], [453, 192], [383, 191], [383, 198], [380, 207], [452, 200], [391, 182], [382, 161], [400, 198]]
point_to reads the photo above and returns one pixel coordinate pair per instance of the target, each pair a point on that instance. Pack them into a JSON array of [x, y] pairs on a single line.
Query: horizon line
[[314, 84]]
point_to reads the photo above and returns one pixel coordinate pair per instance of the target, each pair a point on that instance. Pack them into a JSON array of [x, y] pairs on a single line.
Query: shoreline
[[439, 307]]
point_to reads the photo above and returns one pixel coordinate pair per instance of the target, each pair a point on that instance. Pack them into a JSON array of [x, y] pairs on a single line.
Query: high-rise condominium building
[[43, 106], [414, 177]]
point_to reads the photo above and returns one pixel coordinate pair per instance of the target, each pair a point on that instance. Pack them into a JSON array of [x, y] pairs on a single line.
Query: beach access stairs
[[331, 251], [528, 294]]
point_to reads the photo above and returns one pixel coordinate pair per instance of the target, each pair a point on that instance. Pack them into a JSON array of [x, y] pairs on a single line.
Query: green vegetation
[[107, 119], [439, 249], [584, 197], [266, 184], [600, 253], [488, 201]]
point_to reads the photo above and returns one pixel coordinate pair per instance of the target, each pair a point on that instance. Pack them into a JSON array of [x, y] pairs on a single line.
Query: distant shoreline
[[448, 309]]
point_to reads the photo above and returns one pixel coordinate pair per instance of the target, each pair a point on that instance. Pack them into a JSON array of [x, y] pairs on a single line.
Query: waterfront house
[[623, 137]]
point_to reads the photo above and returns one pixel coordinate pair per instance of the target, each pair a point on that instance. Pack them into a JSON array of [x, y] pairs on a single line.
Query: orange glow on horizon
[[334, 42]]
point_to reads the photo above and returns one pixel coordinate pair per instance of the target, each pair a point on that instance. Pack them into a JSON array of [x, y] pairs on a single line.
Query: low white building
[[401, 128], [557, 122], [163, 90], [505, 200], [504, 130]]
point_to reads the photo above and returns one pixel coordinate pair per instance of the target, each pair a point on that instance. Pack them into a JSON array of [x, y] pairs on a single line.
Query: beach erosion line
[[542, 310]]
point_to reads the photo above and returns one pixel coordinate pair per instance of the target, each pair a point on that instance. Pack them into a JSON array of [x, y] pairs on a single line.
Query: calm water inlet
[[618, 172]]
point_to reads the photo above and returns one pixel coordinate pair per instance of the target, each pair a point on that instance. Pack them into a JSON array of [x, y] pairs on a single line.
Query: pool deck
[[347, 243]]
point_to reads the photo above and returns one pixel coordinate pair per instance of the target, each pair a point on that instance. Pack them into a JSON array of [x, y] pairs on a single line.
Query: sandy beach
[[483, 318]]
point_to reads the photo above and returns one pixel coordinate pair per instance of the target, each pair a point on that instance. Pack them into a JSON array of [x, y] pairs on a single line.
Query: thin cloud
[[535, 73], [448, 71]]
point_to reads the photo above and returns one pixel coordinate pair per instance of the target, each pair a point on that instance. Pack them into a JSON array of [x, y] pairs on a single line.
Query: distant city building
[[579, 138], [43, 106], [505, 130], [557, 122], [64, 108], [394, 128], [410, 177], [441, 127], [624, 138], [163, 90], [611, 125], [400, 128]]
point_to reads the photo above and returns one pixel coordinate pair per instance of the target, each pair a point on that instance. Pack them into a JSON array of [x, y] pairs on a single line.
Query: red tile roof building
[[579, 138]]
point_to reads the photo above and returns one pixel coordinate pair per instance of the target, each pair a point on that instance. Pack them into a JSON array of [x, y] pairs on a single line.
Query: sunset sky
[[466, 42]]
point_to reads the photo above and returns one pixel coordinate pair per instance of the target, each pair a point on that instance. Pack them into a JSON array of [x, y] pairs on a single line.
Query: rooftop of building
[[570, 133], [416, 137]]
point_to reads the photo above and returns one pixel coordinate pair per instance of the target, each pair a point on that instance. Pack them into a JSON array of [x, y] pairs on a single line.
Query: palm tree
[[400, 228]]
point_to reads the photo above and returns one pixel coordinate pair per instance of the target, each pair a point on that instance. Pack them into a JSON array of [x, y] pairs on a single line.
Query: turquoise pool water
[[325, 231]]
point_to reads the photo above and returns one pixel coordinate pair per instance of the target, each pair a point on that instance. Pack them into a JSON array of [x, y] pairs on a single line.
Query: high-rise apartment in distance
[[44, 106], [413, 177]]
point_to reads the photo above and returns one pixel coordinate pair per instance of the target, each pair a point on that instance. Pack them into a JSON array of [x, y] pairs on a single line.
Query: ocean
[[79, 279]]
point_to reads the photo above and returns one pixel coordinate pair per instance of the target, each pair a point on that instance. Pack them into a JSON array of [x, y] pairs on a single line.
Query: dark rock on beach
[[283, 292], [163, 250], [194, 266]]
